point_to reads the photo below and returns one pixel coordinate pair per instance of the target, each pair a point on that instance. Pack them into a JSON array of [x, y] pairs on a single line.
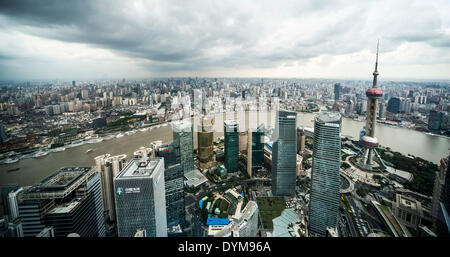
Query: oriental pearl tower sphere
[[369, 141]]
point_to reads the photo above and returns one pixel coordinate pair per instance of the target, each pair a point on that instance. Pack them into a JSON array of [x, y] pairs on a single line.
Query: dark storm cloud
[[196, 35]]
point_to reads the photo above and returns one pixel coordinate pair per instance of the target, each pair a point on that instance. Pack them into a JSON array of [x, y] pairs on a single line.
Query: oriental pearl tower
[[369, 141]]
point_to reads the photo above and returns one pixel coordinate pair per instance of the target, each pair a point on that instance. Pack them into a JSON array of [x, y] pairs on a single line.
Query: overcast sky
[[306, 39]]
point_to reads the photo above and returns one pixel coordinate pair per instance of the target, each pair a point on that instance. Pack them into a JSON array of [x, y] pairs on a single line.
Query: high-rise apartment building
[[140, 198], [301, 139], [325, 182], [108, 167], [231, 131], [284, 154]]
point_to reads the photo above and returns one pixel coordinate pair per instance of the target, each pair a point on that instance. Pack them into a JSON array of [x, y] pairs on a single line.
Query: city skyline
[[264, 121], [152, 39]]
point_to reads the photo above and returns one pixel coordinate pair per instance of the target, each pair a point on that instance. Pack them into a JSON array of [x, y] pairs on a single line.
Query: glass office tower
[[257, 148], [69, 200], [231, 131], [174, 183], [182, 131], [325, 183], [140, 198], [284, 155], [337, 91], [205, 137]]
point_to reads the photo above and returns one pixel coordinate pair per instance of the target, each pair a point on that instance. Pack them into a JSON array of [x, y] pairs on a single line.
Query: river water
[[32, 170]]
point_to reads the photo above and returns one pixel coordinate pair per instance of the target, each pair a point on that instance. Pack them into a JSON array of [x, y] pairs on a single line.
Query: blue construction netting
[[217, 221]]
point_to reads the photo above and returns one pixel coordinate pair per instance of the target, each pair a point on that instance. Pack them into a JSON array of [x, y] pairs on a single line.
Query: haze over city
[[140, 39]]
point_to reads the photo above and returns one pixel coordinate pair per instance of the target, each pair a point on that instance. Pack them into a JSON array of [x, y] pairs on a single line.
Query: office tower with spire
[[325, 182], [231, 131], [366, 157], [182, 131], [140, 198], [284, 154]]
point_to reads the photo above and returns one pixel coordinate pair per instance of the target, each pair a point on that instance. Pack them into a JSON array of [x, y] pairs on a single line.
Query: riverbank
[[32, 170]]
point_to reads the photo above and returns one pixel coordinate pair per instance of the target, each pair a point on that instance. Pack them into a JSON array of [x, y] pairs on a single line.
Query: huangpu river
[[32, 170]]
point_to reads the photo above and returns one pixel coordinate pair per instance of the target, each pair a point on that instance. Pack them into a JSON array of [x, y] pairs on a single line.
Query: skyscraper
[[337, 91], [382, 110], [231, 131], [174, 183], [205, 138], [69, 200], [441, 200], [182, 131], [140, 198], [301, 139], [255, 152], [284, 154], [435, 120], [438, 192], [394, 105], [325, 182], [5, 190], [108, 167]]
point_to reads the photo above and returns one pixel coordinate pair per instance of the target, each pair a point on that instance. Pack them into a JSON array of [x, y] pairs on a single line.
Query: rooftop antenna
[[375, 73]]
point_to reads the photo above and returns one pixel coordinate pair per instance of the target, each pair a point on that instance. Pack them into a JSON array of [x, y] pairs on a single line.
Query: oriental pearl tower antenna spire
[[375, 73], [369, 141]]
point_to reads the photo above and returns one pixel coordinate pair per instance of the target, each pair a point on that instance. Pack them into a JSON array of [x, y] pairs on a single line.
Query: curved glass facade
[[325, 183]]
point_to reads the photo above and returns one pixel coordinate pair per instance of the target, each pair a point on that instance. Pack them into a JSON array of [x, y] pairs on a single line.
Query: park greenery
[[423, 171], [270, 208], [345, 165]]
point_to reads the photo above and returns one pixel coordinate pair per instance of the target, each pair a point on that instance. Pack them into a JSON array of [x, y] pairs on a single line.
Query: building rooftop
[[249, 209], [181, 125], [195, 178], [400, 173], [232, 228], [66, 207], [230, 123], [59, 184], [284, 225], [328, 117], [140, 167]]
